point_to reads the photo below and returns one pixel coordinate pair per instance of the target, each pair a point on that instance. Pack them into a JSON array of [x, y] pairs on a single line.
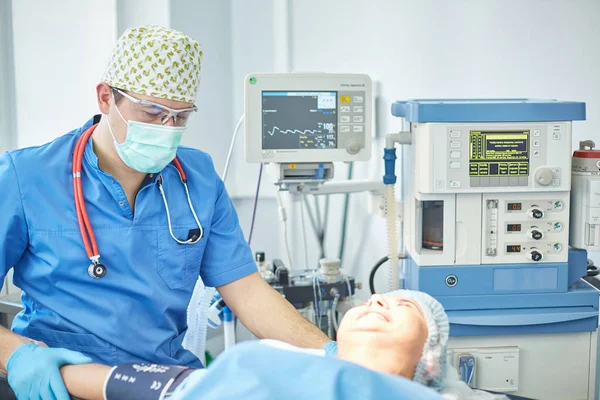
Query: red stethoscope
[[96, 269]]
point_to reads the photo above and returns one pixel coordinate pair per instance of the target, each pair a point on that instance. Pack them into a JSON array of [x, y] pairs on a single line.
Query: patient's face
[[387, 333]]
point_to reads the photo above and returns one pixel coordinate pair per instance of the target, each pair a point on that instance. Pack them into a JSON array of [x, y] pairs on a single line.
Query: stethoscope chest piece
[[96, 271]]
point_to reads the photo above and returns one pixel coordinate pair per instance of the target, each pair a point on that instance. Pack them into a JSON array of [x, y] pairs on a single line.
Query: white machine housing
[[501, 360], [521, 217], [585, 199], [308, 117]]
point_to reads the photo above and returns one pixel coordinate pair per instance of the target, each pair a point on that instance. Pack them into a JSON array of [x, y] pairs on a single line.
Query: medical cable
[[283, 217], [318, 224], [324, 227], [349, 288], [311, 218], [318, 297], [330, 321], [333, 312], [345, 216], [318, 215], [316, 303], [311, 215], [376, 267], [320, 293], [321, 225], [255, 204], [231, 147], [302, 218], [592, 270]]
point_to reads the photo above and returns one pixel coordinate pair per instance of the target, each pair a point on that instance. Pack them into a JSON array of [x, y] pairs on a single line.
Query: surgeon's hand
[[330, 349], [34, 372], [4, 372]]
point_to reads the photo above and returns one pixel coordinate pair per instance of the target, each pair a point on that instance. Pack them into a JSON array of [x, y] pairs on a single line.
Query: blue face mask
[[148, 148]]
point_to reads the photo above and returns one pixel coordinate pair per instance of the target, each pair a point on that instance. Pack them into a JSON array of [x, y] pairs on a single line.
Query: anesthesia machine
[[490, 205]]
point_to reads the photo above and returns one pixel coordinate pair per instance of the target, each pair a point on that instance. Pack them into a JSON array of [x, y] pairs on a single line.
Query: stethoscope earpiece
[[96, 271]]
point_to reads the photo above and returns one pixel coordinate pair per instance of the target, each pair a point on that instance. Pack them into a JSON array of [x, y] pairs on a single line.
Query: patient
[[399, 334], [389, 347]]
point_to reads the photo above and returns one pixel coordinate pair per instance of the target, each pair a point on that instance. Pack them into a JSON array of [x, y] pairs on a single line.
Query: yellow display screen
[[499, 153]]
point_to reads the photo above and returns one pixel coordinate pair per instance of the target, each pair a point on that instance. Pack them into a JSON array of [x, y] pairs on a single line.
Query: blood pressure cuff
[[140, 381]]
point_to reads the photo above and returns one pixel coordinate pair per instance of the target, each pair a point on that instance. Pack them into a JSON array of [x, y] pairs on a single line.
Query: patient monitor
[[308, 118]]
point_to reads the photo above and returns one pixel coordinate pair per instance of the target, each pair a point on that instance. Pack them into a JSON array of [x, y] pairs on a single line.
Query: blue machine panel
[[485, 300], [523, 321], [526, 279], [577, 264], [488, 279], [488, 110], [581, 294]]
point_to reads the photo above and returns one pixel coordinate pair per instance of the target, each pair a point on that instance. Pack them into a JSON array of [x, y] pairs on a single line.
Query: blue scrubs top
[[137, 312]]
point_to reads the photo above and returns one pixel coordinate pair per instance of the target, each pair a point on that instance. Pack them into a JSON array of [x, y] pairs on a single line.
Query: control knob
[[536, 213], [535, 255], [353, 148], [534, 233], [543, 176]]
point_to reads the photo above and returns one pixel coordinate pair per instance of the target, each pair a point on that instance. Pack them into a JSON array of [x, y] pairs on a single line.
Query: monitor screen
[[299, 120], [499, 153]]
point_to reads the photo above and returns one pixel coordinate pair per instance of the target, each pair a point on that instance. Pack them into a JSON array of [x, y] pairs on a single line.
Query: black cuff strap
[[178, 381], [140, 381]]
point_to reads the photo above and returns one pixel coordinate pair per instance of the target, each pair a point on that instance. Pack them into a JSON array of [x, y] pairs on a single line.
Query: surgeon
[[109, 226]]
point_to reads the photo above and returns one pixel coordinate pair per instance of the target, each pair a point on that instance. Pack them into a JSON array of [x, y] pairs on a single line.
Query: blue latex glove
[[34, 371], [330, 349]]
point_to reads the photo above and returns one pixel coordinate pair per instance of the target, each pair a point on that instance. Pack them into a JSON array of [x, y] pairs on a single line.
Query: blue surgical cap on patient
[[431, 369]]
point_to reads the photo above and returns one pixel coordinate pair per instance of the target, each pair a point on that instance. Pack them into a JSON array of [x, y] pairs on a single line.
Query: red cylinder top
[[587, 154]]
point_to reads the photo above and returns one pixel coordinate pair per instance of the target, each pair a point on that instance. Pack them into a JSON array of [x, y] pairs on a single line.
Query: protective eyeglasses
[[160, 114]]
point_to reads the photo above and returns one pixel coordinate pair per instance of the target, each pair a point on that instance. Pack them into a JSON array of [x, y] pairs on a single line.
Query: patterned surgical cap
[[157, 62]]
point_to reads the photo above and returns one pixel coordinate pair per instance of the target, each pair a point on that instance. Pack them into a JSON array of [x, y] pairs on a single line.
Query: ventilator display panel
[[499, 153], [299, 120]]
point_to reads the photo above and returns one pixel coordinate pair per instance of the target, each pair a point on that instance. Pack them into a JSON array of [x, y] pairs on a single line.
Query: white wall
[[460, 48], [8, 133], [252, 49], [209, 22], [61, 48], [132, 13]]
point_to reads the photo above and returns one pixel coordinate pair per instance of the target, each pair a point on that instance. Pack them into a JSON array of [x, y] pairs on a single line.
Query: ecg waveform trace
[[296, 131], [293, 131]]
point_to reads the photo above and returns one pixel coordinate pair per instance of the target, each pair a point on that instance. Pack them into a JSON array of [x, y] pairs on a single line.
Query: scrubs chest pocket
[[179, 264]]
